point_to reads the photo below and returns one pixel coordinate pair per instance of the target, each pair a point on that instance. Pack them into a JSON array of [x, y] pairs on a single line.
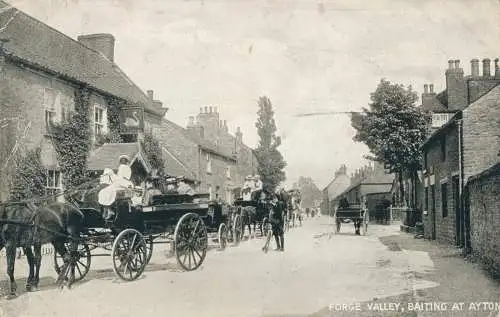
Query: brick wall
[[442, 172], [484, 210], [481, 133]]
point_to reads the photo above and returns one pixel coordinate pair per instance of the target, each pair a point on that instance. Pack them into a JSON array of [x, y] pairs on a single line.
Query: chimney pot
[[426, 89], [431, 88], [210, 109], [486, 67], [457, 64], [450, 64], [225, 123], [150, 94], [474, 67]]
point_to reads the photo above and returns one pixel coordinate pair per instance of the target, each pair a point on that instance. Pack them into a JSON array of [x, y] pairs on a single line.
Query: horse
[[250, 214], [26, 225]]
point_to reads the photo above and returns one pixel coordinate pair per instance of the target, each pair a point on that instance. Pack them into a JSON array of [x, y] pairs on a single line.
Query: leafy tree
[[393, 129], [271, 162]]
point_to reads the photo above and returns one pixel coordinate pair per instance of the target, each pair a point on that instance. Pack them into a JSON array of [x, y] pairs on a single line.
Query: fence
[[408, 216]]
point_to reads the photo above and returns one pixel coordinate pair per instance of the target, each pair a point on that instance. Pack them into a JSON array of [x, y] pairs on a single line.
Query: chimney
[[486, 67], [206, 109], [431, 88], [201, 109], [239, 135], [225, 126], [426, 89], [474, 67], [428, 97], [191, 121], [497, 69], [150, 95], [103, 43], [456, 88]]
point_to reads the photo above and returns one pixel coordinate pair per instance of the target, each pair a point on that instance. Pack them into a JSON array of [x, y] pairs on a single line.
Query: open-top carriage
[[254, 212], [182, 220], [358, 214]]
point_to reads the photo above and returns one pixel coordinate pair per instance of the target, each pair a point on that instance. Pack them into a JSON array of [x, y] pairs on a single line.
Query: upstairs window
[[100, 120], [52, 107], [438, 119], [208, 158], [53, 184]]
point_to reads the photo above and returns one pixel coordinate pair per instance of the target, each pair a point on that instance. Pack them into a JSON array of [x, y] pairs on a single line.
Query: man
[[277, 222], [150, 190]]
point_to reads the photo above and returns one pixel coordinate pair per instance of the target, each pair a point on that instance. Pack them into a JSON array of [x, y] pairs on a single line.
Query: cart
[[355, 213]]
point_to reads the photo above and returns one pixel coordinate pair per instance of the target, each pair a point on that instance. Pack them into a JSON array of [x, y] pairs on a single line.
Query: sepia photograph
[[249, 158]]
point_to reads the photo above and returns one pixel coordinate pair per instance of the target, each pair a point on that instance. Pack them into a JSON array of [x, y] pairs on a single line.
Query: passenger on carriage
[[183, 188], [247, 189], [151, 190]]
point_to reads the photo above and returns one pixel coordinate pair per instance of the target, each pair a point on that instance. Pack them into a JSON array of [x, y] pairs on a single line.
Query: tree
[[153, 150], [271, 162], [310, 193], [393, 129]]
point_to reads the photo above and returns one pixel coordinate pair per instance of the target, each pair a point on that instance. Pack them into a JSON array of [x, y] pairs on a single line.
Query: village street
[[317, 271]]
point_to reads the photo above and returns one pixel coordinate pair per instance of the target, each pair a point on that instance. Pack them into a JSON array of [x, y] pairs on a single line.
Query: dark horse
[[251, 214], [25, 225]]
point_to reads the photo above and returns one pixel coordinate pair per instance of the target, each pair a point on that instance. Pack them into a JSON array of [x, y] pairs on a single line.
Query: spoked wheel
[[79, 261], [190, 241], [237, 229], [223, 236], [129, 254]]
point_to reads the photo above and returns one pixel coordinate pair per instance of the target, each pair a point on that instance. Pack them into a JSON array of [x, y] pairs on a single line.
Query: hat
[[124, 157], [249, 177]]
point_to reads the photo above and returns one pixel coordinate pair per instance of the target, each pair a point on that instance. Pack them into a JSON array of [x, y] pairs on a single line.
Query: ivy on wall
[[72, 141], [29, 178]]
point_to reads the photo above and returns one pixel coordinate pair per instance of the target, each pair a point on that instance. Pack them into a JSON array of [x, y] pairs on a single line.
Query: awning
[[107, 156]]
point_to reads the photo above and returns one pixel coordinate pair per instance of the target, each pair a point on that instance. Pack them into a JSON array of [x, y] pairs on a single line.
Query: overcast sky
[[305, 55]]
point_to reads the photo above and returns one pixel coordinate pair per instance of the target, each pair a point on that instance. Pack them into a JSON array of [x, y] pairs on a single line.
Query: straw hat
[[124, 157]]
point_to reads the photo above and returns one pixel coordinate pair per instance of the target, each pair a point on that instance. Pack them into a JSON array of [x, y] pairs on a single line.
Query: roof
[[107, 155], [376, 178], [204, 144], [34, 43], [175, 167], [493, 170], [445, 127]]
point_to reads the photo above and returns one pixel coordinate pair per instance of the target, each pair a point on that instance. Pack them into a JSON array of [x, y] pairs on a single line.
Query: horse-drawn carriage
[[357, 213], [254, 212]]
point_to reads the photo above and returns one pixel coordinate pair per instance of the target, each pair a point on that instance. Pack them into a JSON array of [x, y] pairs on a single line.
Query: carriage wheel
[[79, 261], [129, 253], [237, 229], [223, 236], [190, 241], [149, 249]]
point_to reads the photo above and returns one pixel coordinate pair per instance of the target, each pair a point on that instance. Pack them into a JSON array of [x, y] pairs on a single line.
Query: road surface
[[319, 274]]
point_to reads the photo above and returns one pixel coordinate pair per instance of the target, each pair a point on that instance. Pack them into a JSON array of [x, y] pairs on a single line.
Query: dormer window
[[438, 119]]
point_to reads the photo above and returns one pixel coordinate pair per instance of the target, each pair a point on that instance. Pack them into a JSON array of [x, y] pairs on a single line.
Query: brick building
[[339, 183], [208, 126], [466, 145], [41, 71]]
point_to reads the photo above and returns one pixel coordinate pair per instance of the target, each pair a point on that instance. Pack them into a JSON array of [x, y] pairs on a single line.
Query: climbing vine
[[72, 141], [29, 178], [153, 151]]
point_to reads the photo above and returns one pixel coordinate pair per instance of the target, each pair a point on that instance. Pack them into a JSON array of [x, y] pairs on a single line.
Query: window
[[443, 148], [52, 107], [209, 163], [444, 199], [100, 120], [53, 182]]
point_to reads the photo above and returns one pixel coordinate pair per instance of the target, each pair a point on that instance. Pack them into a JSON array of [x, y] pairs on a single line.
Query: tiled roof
[[204, 144], [107, 155], [41, 46], [174, 166]]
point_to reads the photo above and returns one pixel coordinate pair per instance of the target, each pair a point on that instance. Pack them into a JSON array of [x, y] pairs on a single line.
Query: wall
[[484, 209], [481, 131], [441, 172]]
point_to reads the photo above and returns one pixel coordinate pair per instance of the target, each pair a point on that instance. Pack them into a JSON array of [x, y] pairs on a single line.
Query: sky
[[305, 55]]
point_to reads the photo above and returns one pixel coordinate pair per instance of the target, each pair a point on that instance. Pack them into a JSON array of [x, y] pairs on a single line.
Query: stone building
[[41, 72], [339, 183], [466, 145]]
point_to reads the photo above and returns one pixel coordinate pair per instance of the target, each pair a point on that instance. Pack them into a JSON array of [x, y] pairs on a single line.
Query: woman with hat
[[247, 188]]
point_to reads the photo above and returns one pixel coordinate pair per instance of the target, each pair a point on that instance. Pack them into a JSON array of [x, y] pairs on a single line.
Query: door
[[459, 221], [433, 212]]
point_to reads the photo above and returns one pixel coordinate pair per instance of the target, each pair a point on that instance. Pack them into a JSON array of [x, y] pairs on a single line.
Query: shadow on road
[[46, 283]]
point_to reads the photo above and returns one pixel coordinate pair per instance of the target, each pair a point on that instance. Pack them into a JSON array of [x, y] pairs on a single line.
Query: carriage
[[356, 213], [260, 217], [183, 221]]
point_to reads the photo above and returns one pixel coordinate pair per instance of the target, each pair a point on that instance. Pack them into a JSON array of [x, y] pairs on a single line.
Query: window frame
[[444, 199], [55, 186]]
